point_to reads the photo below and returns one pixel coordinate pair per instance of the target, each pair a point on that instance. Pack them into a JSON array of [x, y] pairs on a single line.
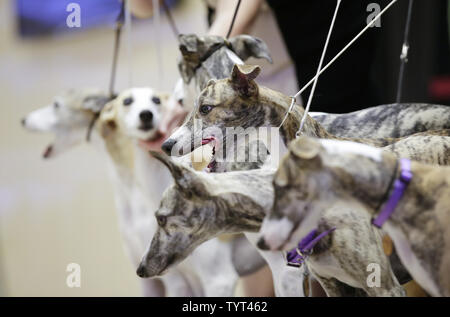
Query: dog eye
[[180, 102], [56, 105], [128, 101], [156, 100], [205, 109], [162, 220]]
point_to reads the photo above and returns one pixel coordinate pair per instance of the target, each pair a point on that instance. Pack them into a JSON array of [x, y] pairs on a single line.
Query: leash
[[234, 18], [316, 79], [375, 19], [117, 34], [172, 24], [297, 256], [404, 53], [400, 185]]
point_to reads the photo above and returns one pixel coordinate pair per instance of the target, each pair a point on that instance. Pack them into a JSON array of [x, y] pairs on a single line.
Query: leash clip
[[405, 51]]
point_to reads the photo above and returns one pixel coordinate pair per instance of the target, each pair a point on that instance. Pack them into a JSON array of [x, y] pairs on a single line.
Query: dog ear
[[185, 178], [246, 46], [305, 148], [190, 57], [242, 79], [210, 82], [107, 118]]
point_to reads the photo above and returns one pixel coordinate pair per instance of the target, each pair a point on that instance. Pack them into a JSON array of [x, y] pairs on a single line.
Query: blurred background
[[56, 212]]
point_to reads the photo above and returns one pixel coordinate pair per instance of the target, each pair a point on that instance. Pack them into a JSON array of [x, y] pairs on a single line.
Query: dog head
[[223, 104], [140, 114], [186, 218], [68, 118], [314, 175], [199, 207], [208, 57]]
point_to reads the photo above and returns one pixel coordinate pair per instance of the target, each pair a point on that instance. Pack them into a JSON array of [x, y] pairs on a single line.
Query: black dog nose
[[146, 116], [141, 271], [23, 121], [168, 145], [262, 244]]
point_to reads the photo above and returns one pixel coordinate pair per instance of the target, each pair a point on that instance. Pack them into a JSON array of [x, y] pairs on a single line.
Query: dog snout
[[146, 116], [142, 271], [262, 244], [168, 145], [24, 121]]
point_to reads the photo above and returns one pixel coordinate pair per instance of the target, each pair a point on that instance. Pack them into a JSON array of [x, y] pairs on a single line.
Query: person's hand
[[141, 9], [248, 11]]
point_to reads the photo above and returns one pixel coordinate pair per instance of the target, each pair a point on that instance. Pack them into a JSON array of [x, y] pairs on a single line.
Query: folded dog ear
[[185, 178], [107, 118], [246, 46], [242, 79], [281, 178], [190, 56], [305, 148]]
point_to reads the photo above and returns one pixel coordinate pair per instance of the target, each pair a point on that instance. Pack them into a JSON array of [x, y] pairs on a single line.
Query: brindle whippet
[[321, 174]]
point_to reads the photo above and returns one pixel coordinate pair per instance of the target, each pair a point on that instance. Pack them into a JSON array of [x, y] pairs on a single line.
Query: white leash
[[316, 78], [375, 19]]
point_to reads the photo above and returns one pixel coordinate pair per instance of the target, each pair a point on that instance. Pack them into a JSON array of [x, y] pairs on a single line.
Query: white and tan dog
[[140, 117], [328, 173]]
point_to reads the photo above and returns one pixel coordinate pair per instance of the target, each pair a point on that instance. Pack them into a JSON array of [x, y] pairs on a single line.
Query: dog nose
[[146, 116], [262, 244], [141, 271], [24, 121], [168, 145]]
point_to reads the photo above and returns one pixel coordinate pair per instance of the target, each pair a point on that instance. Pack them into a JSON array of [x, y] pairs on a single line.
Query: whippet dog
[[238, 102], [213, 57], [319, 175], [137, 115], [209, 57], [201, 206]]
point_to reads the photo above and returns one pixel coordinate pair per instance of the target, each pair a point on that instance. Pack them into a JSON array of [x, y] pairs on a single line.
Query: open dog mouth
[[212, 166]]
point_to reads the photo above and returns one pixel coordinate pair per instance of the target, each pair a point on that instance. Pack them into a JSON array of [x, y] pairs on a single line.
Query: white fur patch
[[341, 147], [234, 58], [276, 232]]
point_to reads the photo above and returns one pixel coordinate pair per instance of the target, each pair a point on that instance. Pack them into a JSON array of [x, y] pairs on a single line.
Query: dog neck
[[275, 105], [121, 152], [242, 199]]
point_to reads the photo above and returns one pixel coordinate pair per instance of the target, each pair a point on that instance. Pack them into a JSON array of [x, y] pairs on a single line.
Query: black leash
[[171, 19], [118, 31], [234, 18], [404, 54]]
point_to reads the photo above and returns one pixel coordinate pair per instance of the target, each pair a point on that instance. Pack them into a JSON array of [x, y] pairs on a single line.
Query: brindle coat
[[355, 174], [239, 102], [201, 206]]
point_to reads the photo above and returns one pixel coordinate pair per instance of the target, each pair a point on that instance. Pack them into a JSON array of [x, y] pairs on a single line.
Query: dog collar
[[225, 43], [298, 255], [400, 185]]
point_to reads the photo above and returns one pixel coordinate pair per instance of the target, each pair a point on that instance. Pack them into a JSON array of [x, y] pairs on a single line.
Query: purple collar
[[297, 256], [400, 185]]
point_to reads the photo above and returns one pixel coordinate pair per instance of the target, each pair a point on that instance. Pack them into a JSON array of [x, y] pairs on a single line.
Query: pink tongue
[[206, 141]]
